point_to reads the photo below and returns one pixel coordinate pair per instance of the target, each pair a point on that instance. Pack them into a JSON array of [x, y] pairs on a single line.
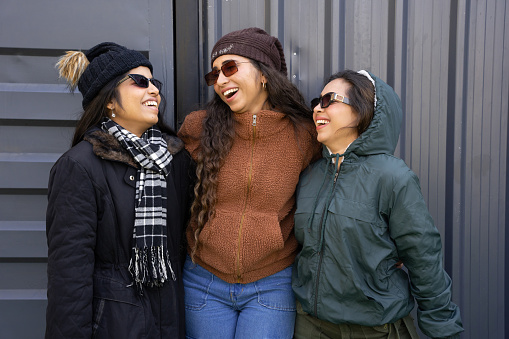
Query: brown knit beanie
[[253, 43]]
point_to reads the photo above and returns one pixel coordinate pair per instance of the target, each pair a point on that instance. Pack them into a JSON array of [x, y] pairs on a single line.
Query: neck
[[340, 147]]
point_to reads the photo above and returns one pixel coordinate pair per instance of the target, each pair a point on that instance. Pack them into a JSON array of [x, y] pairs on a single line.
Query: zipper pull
[[336, 176], [254, 119]]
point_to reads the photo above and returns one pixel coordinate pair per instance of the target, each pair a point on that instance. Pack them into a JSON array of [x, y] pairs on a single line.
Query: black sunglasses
[[142, 81], [228, 69], [328, 98]]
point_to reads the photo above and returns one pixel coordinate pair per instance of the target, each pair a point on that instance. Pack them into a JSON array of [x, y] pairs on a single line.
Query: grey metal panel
[[240, 13], [33, 139], [459, 249], [22, 315], [53, 103], [47, 30], [37, 119], [426, 95], [31, 275], [484, 165], [448, 61], [81, 25], [25, 174], [27, 69], [23, 205], [158, 14], [189, 67], [23, 244]]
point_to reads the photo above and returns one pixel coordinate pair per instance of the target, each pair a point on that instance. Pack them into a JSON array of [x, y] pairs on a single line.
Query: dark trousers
[[307, 327]]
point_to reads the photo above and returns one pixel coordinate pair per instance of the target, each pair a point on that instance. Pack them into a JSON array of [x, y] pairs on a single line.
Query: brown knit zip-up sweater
[[251, 234]]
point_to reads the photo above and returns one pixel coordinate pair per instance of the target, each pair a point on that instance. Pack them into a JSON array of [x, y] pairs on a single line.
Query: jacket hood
[[382, 135]]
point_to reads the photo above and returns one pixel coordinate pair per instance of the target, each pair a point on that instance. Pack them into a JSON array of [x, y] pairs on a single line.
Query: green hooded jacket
[[355, 225]]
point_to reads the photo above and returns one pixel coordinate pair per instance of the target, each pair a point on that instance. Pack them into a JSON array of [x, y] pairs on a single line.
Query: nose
[[221, 79], [317, 108], [152, 88]]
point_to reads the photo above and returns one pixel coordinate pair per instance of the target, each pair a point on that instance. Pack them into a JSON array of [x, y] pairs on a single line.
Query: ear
[[111, 105]]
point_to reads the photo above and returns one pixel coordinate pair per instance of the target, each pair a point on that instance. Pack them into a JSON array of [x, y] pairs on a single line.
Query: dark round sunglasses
[[142, 81], [228, 69], [328, 98]]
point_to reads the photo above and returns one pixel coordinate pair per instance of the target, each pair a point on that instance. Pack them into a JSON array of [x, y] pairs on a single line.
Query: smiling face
[[137, 107], [243, 90], [336, 124]]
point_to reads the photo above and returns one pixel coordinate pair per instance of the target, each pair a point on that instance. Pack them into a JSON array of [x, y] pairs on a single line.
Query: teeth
[[150, 103], [230, 92], [322, 122]]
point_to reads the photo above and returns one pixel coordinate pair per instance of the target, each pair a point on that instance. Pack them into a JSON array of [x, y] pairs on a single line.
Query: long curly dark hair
[[218, 134]]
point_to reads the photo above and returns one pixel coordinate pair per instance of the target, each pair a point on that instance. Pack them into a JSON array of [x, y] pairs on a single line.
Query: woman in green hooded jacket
[[360, 212]]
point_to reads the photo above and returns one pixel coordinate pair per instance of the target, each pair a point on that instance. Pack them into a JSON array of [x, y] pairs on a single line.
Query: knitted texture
[[107, 61], [253, 43], [251, 234]]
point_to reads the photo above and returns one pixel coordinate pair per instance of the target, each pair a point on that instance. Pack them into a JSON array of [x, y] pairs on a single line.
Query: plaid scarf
[[150, 260]]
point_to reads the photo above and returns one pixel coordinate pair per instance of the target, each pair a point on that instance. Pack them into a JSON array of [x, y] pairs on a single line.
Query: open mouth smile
[[229, 93], [322, 122], [150, 103]]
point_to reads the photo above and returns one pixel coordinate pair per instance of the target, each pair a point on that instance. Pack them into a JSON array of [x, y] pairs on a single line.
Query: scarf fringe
[[150, 267]]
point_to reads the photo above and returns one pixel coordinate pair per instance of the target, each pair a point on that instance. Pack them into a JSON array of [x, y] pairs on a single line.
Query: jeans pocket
[[275, 291], [197, 281]]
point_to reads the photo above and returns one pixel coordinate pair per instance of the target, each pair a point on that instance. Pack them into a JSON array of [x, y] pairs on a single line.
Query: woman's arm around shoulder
[[312, 146], [190, 131]]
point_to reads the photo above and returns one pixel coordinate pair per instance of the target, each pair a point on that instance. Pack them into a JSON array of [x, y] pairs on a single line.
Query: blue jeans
[[216, 309]]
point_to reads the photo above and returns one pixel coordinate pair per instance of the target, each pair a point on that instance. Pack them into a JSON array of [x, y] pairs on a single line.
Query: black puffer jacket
[[89, 227]]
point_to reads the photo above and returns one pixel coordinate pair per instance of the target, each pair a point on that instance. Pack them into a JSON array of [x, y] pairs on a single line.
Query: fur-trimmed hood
[[107, 147]]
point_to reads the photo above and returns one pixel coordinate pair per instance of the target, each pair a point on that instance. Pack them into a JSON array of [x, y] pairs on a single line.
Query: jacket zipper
[[239, 275], [321, 250]]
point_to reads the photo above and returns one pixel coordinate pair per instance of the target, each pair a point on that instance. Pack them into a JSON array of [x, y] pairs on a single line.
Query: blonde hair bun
[[71, 66]]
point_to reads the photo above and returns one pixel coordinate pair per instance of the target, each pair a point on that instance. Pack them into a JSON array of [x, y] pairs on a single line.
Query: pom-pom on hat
[[253, 43], [92, 70]]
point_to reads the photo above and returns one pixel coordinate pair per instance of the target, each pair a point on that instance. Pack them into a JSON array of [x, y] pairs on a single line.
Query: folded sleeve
[[419, 247]]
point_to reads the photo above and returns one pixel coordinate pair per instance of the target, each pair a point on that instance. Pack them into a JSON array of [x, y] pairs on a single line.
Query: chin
[[233, 109]]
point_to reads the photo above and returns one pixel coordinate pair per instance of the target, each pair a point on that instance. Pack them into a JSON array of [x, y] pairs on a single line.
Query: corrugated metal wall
[[448, 60]]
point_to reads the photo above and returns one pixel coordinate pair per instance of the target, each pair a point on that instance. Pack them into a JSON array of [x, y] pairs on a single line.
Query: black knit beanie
[[107, 61], [253, 43]]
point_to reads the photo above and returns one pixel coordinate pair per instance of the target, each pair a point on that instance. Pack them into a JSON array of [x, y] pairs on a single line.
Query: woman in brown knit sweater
[[250, 144]]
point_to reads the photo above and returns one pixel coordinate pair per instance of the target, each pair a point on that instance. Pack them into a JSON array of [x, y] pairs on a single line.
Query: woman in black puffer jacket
[[117, 206]]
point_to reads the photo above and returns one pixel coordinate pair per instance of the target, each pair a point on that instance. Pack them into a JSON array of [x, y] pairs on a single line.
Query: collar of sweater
[[263, 124]]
